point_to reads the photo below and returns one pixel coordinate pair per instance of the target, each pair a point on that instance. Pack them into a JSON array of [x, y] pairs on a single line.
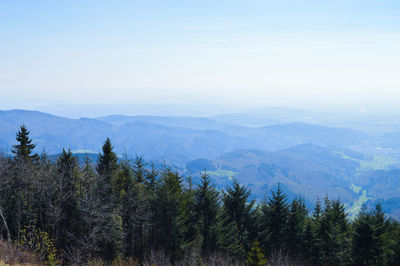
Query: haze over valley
[[212, 132], [355, 158]]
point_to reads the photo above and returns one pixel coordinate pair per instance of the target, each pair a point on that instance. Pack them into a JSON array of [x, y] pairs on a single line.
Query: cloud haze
[[314, 54]]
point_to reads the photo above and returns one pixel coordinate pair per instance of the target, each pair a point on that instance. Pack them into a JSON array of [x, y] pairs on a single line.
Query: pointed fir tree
[[333, 234], [20, 185], [107, 161], [309, 251], [109, 219], [192, 235], [274, 221], [295, 228], [135, 214], [23, 150], [363, 242], [171, 221], [139, 170], [255, 256], [207, 209], [379, 225], [238, 214], [69, 218]]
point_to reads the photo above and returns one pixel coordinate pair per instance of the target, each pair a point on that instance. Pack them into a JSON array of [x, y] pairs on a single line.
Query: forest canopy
[[113, 210]]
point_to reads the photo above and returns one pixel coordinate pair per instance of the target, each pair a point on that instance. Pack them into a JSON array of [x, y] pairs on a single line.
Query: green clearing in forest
[[222, 173], [357, 205]]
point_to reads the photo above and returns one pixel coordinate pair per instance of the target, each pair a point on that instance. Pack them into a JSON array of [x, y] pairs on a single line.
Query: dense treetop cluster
[[114, 210]]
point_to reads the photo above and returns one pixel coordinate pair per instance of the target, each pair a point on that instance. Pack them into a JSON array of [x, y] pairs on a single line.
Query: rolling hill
[[309, 160]]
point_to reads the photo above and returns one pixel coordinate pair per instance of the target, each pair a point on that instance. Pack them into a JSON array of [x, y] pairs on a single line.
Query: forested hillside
[[128, 211], [358, 163]]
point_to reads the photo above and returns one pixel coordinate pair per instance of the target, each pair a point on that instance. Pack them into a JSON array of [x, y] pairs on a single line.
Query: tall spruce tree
[[170, 223], [20, 186], [295, 228], [363, 242], [379, 225], [139, 169], [107, 163], [274, 221], [135, 213], [108, 217], [238, 220], [309, 251], [333, 234], [23, 150], [68, 223], [207, 208]]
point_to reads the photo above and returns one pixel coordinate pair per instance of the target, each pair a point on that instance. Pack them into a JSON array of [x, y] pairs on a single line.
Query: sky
[[302, 54]]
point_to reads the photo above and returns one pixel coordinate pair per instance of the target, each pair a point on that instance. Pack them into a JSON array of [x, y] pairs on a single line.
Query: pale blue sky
[[289, 53]]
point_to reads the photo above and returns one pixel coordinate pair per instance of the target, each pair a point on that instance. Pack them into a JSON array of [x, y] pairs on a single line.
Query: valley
[[309, 160]]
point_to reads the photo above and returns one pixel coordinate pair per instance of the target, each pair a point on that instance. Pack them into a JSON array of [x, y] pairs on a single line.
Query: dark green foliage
[[333, 234], [108, 161], [207, 209], [108, 219], [274, 221], [135, 213], [23, 150], [116, 210], [256, 257], [295, 231], [171, 222], [309, 248], [18, 185], [363, 240], [68, 220], [237, 220], [139, 169], [370, 240]]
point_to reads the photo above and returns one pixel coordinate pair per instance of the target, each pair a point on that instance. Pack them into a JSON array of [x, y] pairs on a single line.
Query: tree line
[[120, 210]]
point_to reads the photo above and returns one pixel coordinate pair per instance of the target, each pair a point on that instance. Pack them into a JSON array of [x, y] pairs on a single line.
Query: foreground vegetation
[[125, 212]]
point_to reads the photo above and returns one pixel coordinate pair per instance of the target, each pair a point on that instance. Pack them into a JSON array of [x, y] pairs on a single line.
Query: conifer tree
[[333, 233], [238, 214], [255, 256], [110, 211], [139, 170], [135, 214], [207, 208], [309, 249], [171, 222], [19, 188], [69, 217], [295, 228], [151, 178], [122, 176], [230, 240], [108, 207], [379, 225], [274, 221], [192, 235], [363, 242], [107, 161], [23, 150]]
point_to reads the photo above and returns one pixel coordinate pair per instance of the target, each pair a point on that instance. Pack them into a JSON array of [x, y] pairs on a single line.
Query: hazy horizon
[[314, 55]]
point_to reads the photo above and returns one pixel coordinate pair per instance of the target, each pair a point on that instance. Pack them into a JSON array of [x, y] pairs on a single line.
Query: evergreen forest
[[122, 211]]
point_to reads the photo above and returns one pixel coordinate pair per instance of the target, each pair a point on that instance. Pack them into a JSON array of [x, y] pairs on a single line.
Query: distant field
[[355, 188], [357, 205], [379, 162], [222, 173]]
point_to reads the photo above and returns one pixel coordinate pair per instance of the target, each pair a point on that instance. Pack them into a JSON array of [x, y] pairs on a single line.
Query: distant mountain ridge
[[159, 137], [309, 160]]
